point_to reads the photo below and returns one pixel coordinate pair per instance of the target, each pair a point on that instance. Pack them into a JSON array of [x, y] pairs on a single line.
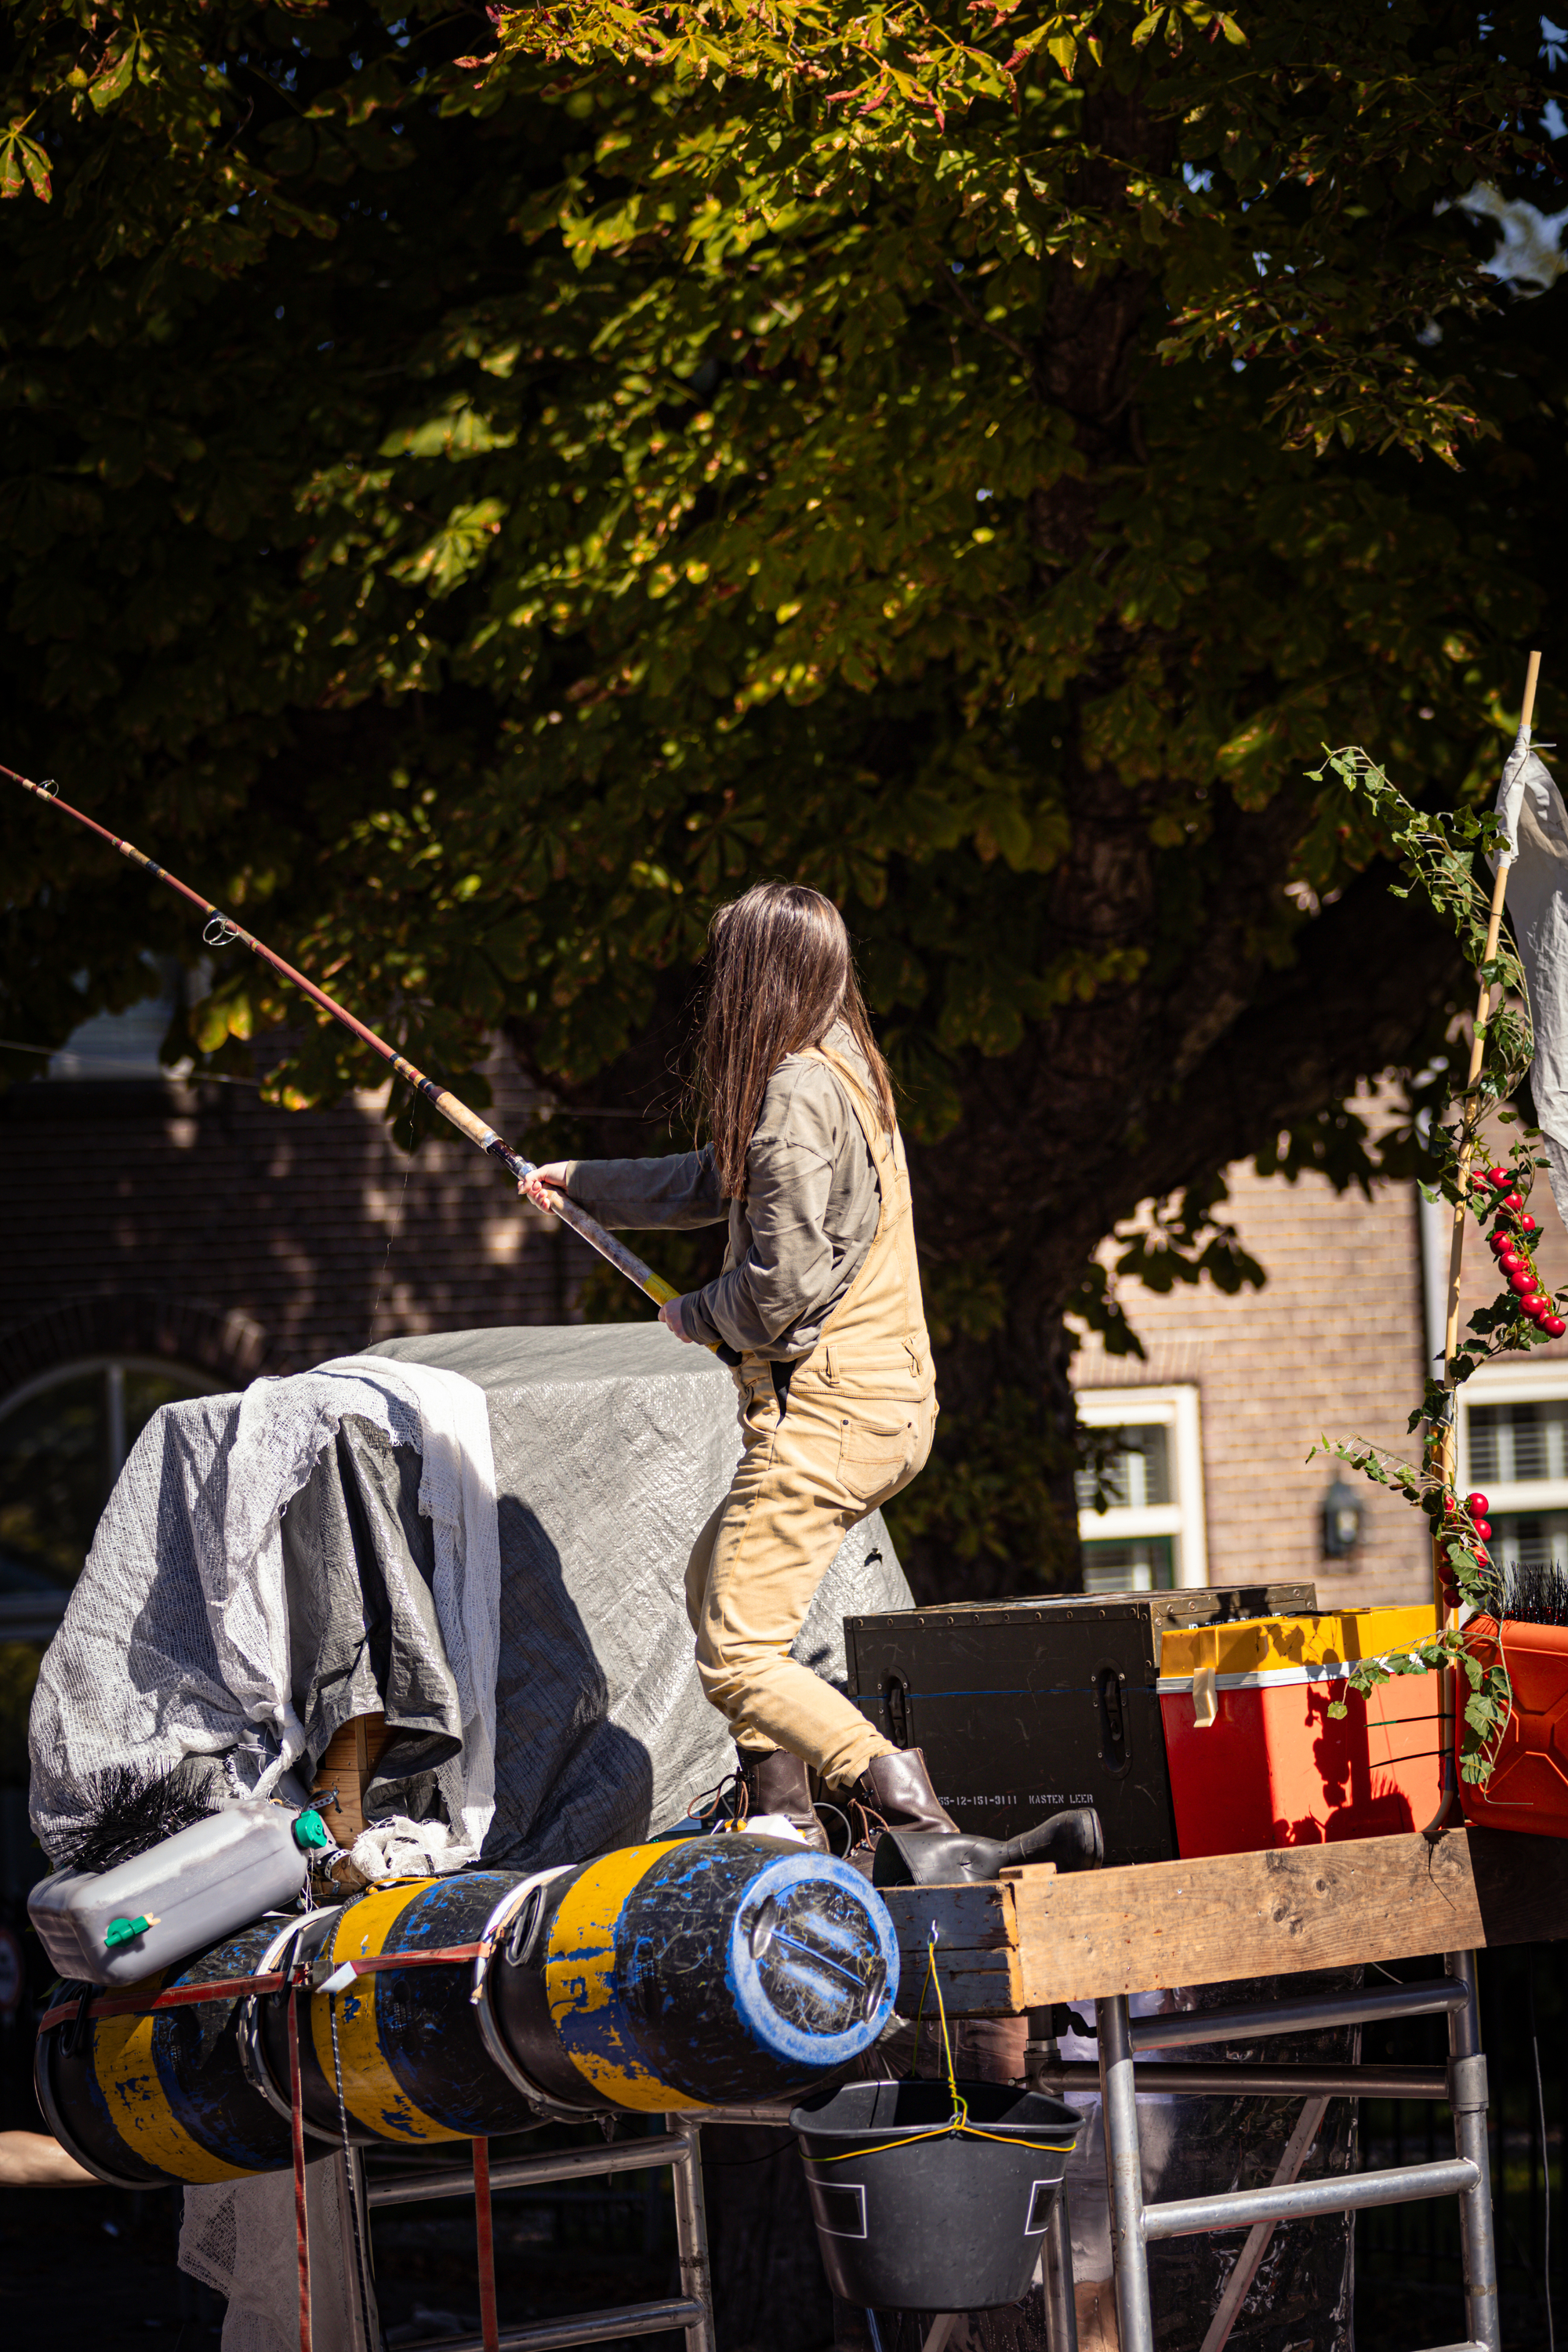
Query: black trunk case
[[1023, 1706]]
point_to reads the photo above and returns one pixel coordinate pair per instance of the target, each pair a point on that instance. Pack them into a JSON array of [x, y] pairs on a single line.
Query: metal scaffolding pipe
[[1256, 2021], [1064, 2076], [525, 2171], [1345, 2192]]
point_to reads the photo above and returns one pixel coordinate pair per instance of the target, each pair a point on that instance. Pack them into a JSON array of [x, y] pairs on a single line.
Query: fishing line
[[222, 932], [394, 1229], [1545, 2164]]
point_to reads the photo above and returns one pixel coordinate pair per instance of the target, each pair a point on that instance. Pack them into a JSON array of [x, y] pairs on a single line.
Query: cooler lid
[[1282, 1645]]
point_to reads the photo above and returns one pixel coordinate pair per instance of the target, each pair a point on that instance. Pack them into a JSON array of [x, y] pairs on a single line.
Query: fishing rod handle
[[624, 1261]]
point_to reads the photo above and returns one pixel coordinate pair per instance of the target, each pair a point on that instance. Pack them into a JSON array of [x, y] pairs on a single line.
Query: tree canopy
[[476, 489]]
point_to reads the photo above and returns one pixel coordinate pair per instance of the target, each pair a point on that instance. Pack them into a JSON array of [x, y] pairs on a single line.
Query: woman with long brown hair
[[820, 1300]]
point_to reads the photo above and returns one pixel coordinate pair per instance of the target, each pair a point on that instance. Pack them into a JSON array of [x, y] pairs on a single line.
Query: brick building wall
[[199, 1224], [198, 1227], [1335, 1343]]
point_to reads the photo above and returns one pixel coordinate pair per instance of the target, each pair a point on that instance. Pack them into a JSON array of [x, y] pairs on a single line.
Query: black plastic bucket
[[947, 2224]]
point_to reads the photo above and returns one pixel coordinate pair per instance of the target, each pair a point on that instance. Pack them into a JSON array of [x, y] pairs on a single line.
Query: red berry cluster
[[1466, 1529], [1512, 1240]]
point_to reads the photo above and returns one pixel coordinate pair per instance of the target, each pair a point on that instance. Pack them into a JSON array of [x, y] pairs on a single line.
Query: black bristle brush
[[1537, 1594], [133, 1808]]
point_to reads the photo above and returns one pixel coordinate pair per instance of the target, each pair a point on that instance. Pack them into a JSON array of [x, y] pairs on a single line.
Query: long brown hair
[[780, 974]]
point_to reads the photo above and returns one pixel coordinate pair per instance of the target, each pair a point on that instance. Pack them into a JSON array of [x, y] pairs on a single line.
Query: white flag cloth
[[1535, 823]]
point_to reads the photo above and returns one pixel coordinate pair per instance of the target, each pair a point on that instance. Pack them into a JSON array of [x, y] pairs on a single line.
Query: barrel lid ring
[[508, 1909], [753, 1999], [247, 2031]]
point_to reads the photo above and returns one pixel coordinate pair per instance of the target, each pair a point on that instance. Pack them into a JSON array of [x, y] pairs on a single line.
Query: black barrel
[[683, 1974], [414, 2063]]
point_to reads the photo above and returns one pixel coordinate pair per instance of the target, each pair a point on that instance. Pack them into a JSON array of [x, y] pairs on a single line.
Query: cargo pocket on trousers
[[879, 1450]]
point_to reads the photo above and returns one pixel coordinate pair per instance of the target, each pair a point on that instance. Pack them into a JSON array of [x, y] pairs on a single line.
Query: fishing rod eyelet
[[220, 932], [49, 788]]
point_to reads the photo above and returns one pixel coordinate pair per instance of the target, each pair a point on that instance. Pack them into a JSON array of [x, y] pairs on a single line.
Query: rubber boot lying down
[[910, 1839]]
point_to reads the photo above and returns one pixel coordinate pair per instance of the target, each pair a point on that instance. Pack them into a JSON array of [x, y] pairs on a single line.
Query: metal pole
[[1061, 2305], [1123, 2173], [1042, 2050], [355, 2206], [1258, 2019], [1171, 2079], [1350, 2192], [691, 2230], [1467, 2099]]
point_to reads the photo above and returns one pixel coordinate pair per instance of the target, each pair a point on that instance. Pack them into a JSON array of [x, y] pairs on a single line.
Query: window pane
[[1530, 1539], [1146, 1566], [1137, 1472], [1519, 1441], [53, 1482]]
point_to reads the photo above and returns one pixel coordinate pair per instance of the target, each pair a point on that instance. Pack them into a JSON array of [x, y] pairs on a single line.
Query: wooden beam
[[1039, 1937], [977, 1957], [1258, 1915]]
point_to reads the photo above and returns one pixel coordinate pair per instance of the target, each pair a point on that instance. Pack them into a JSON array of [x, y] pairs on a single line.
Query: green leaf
[[114, 81], [36, 163]]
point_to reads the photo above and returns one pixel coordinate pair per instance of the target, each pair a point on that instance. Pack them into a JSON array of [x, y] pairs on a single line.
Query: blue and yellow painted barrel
[[703, 1972], [411, 2052], [683, 1974], [141, 2101]]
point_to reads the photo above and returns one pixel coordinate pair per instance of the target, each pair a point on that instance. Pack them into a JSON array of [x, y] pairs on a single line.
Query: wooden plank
[[347, 1764], [1247, 1914], [1038, 1938], [977, 1959]]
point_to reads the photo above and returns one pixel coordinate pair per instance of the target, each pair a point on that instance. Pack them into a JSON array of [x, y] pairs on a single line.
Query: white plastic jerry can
[[116, 1927]]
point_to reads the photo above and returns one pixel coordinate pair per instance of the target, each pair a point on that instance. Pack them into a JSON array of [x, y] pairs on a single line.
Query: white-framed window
[[1513, 1447], [1152, 1537]]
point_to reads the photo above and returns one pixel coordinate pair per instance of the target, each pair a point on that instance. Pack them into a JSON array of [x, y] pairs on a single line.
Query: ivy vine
[[1437, 856]]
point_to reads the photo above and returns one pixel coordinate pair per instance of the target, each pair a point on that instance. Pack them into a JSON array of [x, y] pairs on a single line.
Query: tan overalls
[[862, 1409]]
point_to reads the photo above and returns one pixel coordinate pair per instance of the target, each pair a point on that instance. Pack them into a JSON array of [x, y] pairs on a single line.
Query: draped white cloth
[[1535, 823]]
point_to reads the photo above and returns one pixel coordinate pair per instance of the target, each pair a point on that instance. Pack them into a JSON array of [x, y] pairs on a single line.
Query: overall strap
[[866, 1109]]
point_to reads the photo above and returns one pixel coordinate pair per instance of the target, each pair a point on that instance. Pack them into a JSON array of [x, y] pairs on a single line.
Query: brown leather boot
[[776, 1782], [894, 1792]]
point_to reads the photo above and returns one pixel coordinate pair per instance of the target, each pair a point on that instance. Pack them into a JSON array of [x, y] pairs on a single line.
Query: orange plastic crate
[[1270, 1767], [1528, 1786]]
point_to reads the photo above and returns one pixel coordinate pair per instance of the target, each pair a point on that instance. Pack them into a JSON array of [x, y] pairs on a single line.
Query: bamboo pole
[[1447, 1460]]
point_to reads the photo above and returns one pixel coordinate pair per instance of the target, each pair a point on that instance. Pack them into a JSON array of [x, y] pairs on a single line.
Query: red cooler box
[[1256, 1761]]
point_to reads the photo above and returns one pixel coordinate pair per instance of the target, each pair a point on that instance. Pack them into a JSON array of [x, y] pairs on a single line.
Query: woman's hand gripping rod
[[223, 931]]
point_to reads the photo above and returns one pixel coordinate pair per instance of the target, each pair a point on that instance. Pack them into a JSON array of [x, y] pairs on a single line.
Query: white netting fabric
[[239, 2239], [189, 1557], [175, 1641], [1536, 824]]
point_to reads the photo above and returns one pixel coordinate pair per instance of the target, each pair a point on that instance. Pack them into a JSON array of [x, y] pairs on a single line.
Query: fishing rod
[[222, 932]]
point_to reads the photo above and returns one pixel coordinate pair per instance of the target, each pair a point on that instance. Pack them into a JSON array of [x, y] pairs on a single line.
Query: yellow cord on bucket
[[958, 2124]]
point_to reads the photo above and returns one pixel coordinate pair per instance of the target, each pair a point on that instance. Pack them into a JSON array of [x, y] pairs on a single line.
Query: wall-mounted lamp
[[1342, 1520]]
